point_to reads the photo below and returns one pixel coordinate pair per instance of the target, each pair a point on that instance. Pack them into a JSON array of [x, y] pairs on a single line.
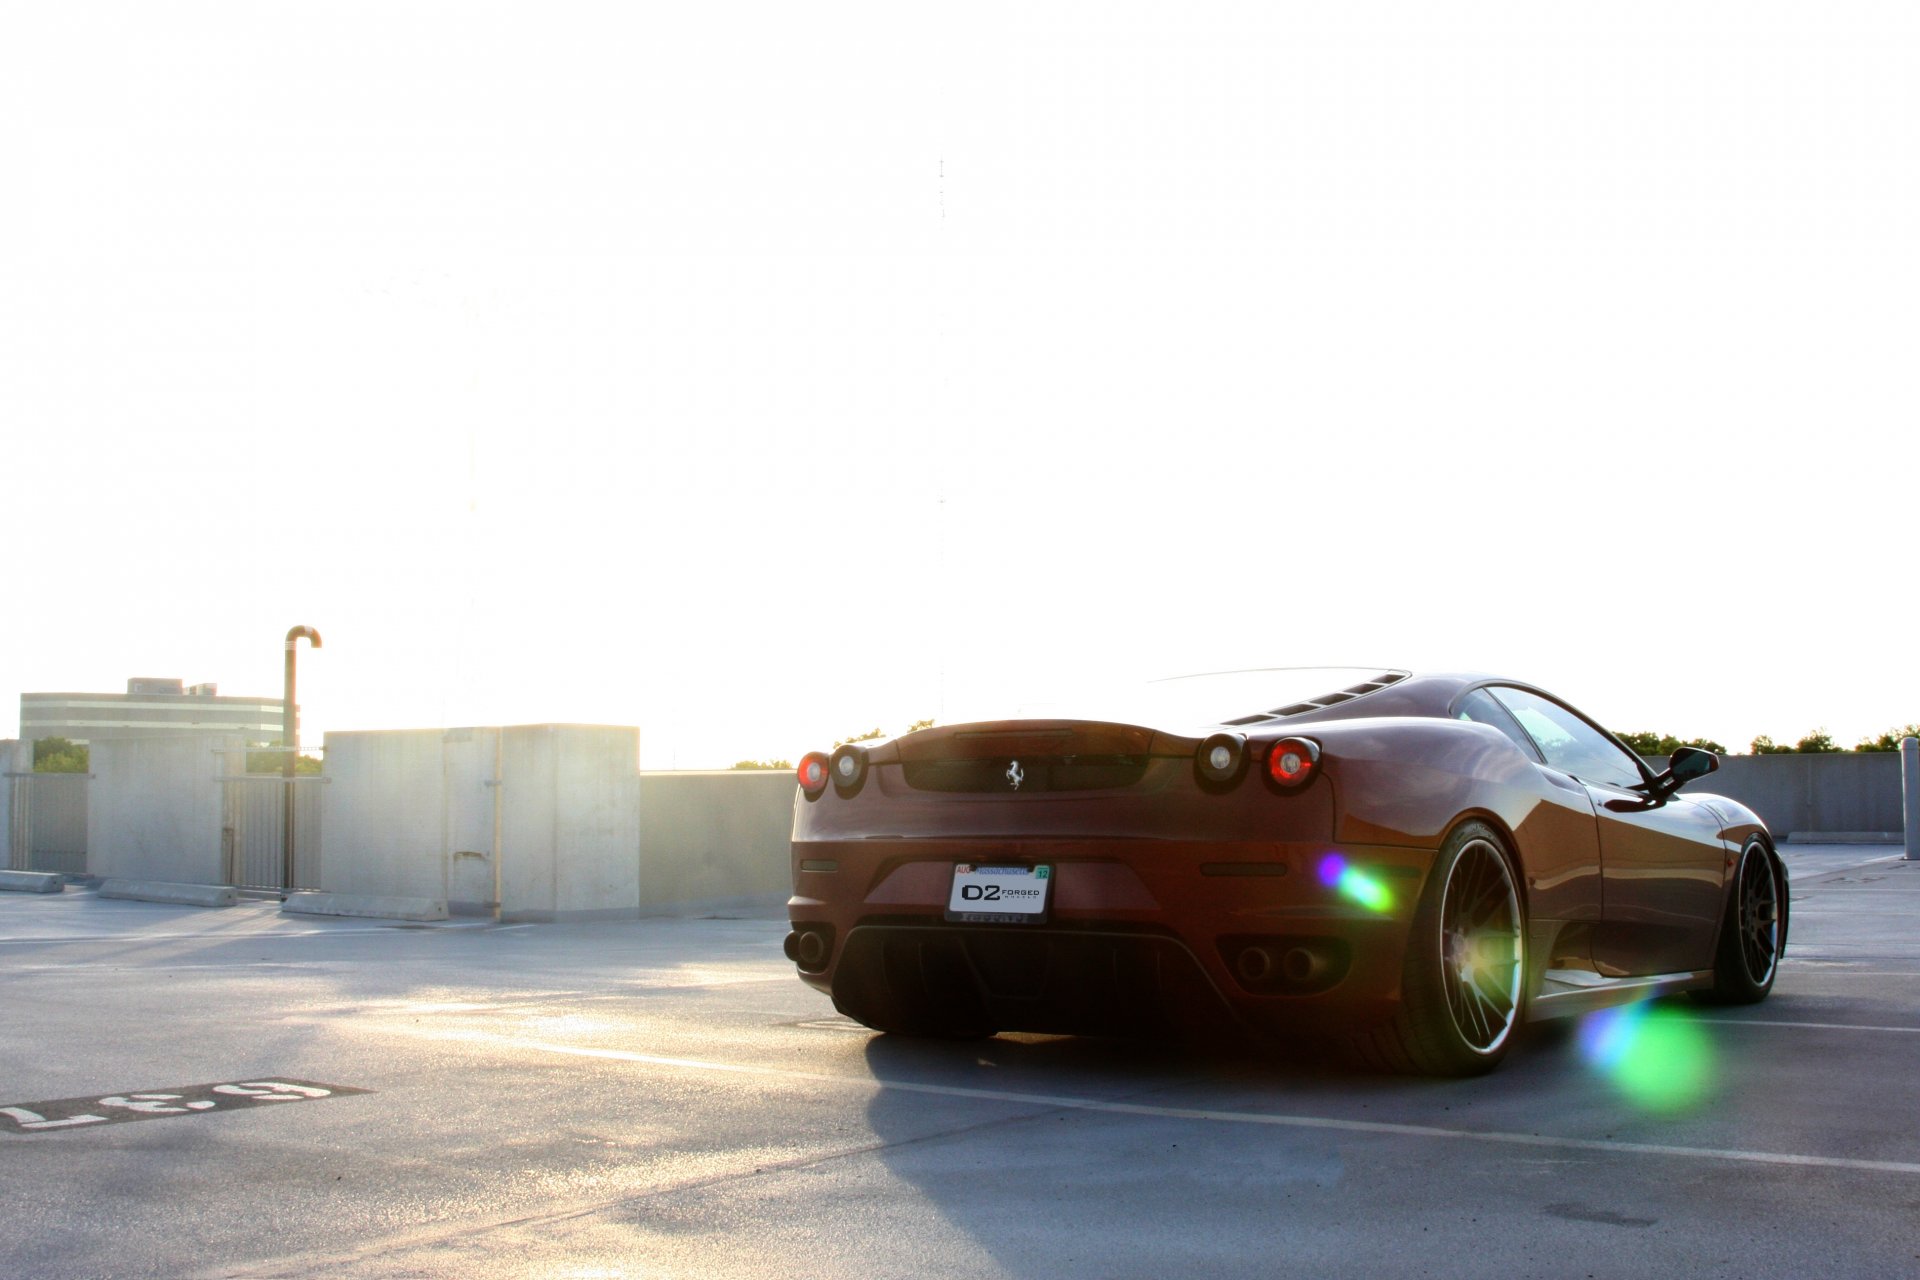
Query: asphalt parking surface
[[663, 1098]]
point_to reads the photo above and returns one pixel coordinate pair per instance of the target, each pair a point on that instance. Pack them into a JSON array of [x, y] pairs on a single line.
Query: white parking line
[[245, 935], [1842, 972], [1225, 1117], [1810, 1026]]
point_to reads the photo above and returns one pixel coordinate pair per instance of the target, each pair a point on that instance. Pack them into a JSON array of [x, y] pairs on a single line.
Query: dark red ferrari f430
[[1408, 865]]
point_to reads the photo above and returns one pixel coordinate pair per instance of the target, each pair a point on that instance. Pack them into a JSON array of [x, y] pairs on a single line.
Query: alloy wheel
[[1759, 920], [1481, 946]]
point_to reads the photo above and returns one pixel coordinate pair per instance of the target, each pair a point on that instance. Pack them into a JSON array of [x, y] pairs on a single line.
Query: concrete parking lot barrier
[[32, 882], [1910, 794], [361, 904], [180, 895]]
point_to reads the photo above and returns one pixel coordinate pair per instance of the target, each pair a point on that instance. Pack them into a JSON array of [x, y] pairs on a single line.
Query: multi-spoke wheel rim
[[1480, 949], [1759, 919]]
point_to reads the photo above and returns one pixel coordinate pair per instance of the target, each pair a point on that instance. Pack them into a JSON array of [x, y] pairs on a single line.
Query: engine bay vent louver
[[1334, 699]]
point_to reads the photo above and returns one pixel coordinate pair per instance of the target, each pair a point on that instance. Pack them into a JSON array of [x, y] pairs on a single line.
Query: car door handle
[[1565, 781]]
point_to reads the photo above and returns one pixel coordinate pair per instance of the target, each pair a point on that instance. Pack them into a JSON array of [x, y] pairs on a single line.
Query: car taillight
[[813, 773], [848, 765], [1220, 758], [1291, 761]]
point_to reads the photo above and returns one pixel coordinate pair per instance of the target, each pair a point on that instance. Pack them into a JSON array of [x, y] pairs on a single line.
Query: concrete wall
[[468, 760], [156, 808], [383, 815], [1823, 792], [715, 842], [15, 757], [413, 813], [570, 823]]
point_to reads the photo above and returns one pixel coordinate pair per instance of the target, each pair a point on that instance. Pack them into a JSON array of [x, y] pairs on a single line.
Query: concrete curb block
[[361, 904], [32, 881], [179, 895]]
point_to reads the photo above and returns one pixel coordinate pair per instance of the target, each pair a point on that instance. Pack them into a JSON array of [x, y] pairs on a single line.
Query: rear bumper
[[1144, 937], [1081, 982]]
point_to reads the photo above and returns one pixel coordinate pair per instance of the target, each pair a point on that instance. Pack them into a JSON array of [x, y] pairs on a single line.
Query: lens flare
[[1354, 884], [1657, 1056]]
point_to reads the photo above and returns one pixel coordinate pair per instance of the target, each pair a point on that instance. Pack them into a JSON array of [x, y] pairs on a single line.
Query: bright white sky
[[763, 373]]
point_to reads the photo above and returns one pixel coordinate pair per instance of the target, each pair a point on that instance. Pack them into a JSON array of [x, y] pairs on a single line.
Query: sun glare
[[1655, 1055]]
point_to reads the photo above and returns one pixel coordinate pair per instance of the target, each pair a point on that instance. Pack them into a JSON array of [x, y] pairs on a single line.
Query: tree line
[[1817, 742], [63, 755]]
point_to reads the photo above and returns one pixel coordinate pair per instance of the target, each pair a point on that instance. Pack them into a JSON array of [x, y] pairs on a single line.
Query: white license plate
[[983, 894]]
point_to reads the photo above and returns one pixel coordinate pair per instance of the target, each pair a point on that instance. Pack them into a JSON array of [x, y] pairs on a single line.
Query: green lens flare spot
[[1353, 884], [1658, 1057]]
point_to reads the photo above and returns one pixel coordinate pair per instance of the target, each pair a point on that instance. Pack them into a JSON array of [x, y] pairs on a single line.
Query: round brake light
[[813, 772], [1291, 761], [1220, 757], [848, 764]]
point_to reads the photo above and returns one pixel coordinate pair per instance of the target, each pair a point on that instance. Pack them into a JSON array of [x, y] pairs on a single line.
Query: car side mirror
[[1687, 764]]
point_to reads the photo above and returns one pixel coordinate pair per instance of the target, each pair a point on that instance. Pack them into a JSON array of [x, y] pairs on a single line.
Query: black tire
[[1463, 991], [1754, 931]]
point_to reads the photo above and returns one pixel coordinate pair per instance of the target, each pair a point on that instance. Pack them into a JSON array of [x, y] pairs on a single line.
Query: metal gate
[[253, 830], [49, 822]]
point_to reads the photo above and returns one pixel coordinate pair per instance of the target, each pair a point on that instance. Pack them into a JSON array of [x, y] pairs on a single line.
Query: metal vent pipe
[[289, 757]]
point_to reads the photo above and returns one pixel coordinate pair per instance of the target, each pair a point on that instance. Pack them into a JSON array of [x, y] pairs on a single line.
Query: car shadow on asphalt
[[1113, 1149], [1062, 1064]]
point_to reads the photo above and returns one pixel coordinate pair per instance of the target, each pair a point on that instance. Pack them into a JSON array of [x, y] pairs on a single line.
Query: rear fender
[[1411, 782]]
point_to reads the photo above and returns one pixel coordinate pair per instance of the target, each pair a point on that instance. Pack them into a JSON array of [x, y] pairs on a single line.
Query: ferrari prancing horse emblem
[[1015, 775]]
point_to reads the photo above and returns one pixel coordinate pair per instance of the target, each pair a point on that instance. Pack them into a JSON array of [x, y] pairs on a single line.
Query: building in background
[[149, 708]]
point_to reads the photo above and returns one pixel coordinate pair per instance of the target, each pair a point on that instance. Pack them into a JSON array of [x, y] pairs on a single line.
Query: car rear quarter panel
[[1410, 781]]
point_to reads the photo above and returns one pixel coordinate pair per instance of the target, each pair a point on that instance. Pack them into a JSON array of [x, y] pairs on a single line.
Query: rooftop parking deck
[[663, 1098]]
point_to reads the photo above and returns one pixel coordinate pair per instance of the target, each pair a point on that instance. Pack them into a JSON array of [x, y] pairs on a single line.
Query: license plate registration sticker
[[984, 894]]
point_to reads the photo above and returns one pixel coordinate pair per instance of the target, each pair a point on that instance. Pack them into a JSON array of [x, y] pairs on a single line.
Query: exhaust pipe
[[1303, 966], [791, 946], [810, 952], [1254, 965]]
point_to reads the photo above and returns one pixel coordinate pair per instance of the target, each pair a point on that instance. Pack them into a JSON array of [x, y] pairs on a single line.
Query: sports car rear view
[[1407, 865]]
